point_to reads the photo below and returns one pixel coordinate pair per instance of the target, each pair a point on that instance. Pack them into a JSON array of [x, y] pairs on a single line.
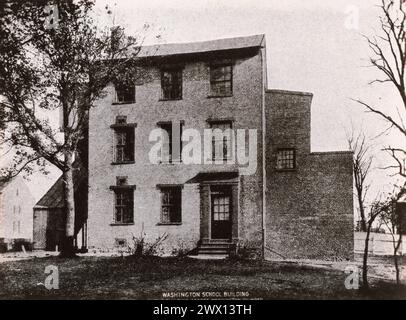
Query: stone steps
[[215, 247]]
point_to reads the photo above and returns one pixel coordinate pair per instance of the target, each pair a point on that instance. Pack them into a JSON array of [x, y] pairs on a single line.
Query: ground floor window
[[171, 204], [124, 206]]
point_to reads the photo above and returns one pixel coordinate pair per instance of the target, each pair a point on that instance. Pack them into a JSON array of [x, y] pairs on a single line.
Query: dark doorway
[[221, 212]]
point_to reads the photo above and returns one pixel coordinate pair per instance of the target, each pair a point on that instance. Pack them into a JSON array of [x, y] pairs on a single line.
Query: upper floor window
[[221, 139], [171, 84], [171, 204], [125, 93], [172, 141], [123, 140], [286, 159], [221, 80]]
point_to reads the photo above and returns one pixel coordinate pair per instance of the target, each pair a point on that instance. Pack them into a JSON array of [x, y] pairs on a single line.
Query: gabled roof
[[53, 198], [203, 46]]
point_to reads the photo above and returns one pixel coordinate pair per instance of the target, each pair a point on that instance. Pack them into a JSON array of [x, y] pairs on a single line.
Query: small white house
[[16, 216]]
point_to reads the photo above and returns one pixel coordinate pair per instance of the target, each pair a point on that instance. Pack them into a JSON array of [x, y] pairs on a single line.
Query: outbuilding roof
[[53, 198]]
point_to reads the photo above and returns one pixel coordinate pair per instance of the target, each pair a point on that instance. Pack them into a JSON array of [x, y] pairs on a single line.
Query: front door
[[220, 212]]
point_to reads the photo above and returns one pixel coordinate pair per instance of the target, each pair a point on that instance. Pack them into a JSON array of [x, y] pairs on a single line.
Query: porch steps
[[215, 248]]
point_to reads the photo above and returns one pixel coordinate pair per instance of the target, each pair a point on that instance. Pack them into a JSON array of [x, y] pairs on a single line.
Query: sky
[[312, 46]]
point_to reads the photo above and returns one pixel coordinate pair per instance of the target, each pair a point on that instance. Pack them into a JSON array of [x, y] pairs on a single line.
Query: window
[[121, 242], [221, 140], [172, 132], [221, 80], [123, 201], [124, 211], [171, 204], [221, 207], [18, 227], [123, 140], [124, 145], [125, 93], [121, 119], [286, 159], [171, 83]]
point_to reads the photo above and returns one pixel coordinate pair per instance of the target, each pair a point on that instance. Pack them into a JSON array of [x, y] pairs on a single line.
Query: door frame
[[228, 192], [206, 211]]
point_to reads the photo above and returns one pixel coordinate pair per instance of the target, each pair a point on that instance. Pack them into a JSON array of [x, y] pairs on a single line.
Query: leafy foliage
[[45, 69]]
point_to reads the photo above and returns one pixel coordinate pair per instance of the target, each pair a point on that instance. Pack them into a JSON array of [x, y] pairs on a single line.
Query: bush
[[181, 250], [142, 248], [245, 251]]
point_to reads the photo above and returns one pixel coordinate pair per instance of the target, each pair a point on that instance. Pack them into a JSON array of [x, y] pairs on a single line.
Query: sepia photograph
[[217, 152]]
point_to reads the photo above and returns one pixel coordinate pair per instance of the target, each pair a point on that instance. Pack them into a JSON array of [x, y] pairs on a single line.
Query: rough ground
[[129, 278]]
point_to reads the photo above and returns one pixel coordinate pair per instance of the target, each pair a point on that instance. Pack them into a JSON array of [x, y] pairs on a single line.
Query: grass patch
[[149, 278]]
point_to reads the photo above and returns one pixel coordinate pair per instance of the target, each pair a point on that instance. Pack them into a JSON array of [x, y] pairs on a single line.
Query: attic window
[[121, 119], [121, 181]]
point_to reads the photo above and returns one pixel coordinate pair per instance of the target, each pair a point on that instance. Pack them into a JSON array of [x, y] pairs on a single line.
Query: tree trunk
[[362, 213], [395, 257], [68, 247], [365, 284]]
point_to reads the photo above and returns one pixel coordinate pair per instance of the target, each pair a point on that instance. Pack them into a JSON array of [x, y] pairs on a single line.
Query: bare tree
[[388, 55], [376, 209], [361, 164], [52, 62], [389, 216]]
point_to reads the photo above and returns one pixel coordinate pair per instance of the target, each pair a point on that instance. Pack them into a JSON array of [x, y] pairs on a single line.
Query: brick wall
[[310, 209]]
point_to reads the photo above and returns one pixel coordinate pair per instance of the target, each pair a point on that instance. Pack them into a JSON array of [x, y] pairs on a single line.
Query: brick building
[[299, 202], [310, 204]]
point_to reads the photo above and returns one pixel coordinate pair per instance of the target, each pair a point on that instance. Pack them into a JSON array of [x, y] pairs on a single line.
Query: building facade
[[16, 202], [309, 194], [143, 184]]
